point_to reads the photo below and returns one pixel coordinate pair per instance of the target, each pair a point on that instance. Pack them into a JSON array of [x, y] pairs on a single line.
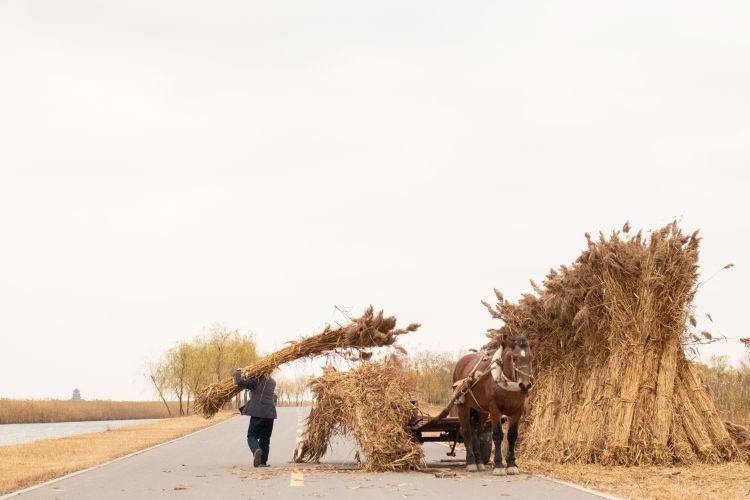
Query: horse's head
[[518, 351]]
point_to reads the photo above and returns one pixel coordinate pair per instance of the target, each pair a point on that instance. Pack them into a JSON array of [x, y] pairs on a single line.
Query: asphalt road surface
[[215, 463]]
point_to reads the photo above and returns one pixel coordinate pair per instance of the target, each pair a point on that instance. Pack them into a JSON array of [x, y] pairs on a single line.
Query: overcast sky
[[169, 164]]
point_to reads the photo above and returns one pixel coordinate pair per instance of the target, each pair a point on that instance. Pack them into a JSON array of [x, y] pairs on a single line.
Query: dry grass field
[[728, 480], [27, 464], [30, 411]]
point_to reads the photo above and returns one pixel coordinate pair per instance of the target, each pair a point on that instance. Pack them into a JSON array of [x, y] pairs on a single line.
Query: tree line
[[293, 391], [187, 366], [212, 357]]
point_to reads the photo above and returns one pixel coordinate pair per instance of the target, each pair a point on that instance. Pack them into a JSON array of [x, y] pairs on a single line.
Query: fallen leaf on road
[[182, 487]]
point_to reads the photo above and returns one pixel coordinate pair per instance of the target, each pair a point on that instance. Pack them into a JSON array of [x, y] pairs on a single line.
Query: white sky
[[169, 164]]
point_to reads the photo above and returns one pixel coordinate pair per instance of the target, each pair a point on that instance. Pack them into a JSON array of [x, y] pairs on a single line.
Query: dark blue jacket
[[261, 403]]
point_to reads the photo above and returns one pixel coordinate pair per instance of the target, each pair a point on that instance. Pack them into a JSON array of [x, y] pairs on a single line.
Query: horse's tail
[[459, 388]]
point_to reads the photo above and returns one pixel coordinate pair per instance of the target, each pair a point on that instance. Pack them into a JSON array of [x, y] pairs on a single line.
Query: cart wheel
[[485, 446]]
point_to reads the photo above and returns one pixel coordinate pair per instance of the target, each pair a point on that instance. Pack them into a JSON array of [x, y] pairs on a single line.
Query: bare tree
[[284, 388], [189, 365], [299, 389], [197, 368], [228, 349], [156, 373], [177, 361]]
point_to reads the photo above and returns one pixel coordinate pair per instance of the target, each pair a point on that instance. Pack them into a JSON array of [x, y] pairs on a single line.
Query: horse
[[502, 393]]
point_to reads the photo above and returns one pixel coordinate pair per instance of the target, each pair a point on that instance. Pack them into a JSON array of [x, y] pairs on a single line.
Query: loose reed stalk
[[368, 331]]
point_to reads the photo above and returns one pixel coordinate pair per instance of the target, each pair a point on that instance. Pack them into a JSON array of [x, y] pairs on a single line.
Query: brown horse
[[501, 392]]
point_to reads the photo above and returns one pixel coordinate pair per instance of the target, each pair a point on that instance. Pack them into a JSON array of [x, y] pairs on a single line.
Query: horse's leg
[[476, 427], [497, 440], [512, 436], [466, 432]]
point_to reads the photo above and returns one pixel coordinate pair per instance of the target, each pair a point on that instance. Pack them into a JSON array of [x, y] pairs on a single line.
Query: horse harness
[[475, 380], [498, 375], [464, 386]]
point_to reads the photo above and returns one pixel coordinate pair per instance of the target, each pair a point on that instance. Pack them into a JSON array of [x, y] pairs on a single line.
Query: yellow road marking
[[297, 479]]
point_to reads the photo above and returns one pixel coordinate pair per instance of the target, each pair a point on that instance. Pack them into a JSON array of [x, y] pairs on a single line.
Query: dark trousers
[[259, 436]]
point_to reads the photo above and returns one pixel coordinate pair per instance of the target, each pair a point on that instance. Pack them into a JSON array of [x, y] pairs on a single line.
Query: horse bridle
[[517, 370], [505, 382]]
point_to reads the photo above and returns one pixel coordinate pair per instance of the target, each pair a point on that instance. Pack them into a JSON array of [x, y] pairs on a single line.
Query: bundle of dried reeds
[[368, 331], [372, 403], [614, 385]]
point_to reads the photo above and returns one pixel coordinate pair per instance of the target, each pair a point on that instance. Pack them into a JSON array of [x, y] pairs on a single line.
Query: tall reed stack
[[614, 385]]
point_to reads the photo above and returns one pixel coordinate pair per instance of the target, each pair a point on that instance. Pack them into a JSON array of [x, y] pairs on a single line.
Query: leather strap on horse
[[475, 400], [464, 385], [496, 368]]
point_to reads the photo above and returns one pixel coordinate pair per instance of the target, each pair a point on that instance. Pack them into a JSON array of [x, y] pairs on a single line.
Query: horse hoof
[[480, 466], [471, 468], [498, 471], [512, 471]]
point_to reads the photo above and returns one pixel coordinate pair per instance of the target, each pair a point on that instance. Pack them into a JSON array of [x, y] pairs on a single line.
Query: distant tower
[[76, 395]]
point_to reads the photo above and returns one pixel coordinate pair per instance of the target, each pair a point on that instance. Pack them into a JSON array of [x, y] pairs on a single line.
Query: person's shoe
[[264, 465], [257, 457]]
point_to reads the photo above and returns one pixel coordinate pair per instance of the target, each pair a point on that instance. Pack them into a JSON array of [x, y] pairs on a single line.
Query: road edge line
[[93, 467], [578, 487], [575, 486]]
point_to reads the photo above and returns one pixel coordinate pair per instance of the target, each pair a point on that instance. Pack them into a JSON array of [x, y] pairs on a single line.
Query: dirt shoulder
[[696, 481], [26, 464]]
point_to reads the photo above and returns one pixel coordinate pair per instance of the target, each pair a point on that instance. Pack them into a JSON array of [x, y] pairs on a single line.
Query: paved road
[[215, 463]]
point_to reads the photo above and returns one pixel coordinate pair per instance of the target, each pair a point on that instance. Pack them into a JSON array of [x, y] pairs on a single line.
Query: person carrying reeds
[[262, 412]]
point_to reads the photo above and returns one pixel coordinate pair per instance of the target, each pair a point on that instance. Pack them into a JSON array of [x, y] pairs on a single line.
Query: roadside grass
[[26, 464], [730, 480], [31, 411]]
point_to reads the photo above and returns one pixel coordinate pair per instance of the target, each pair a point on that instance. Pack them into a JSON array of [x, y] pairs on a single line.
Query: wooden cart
[[426, 429]]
